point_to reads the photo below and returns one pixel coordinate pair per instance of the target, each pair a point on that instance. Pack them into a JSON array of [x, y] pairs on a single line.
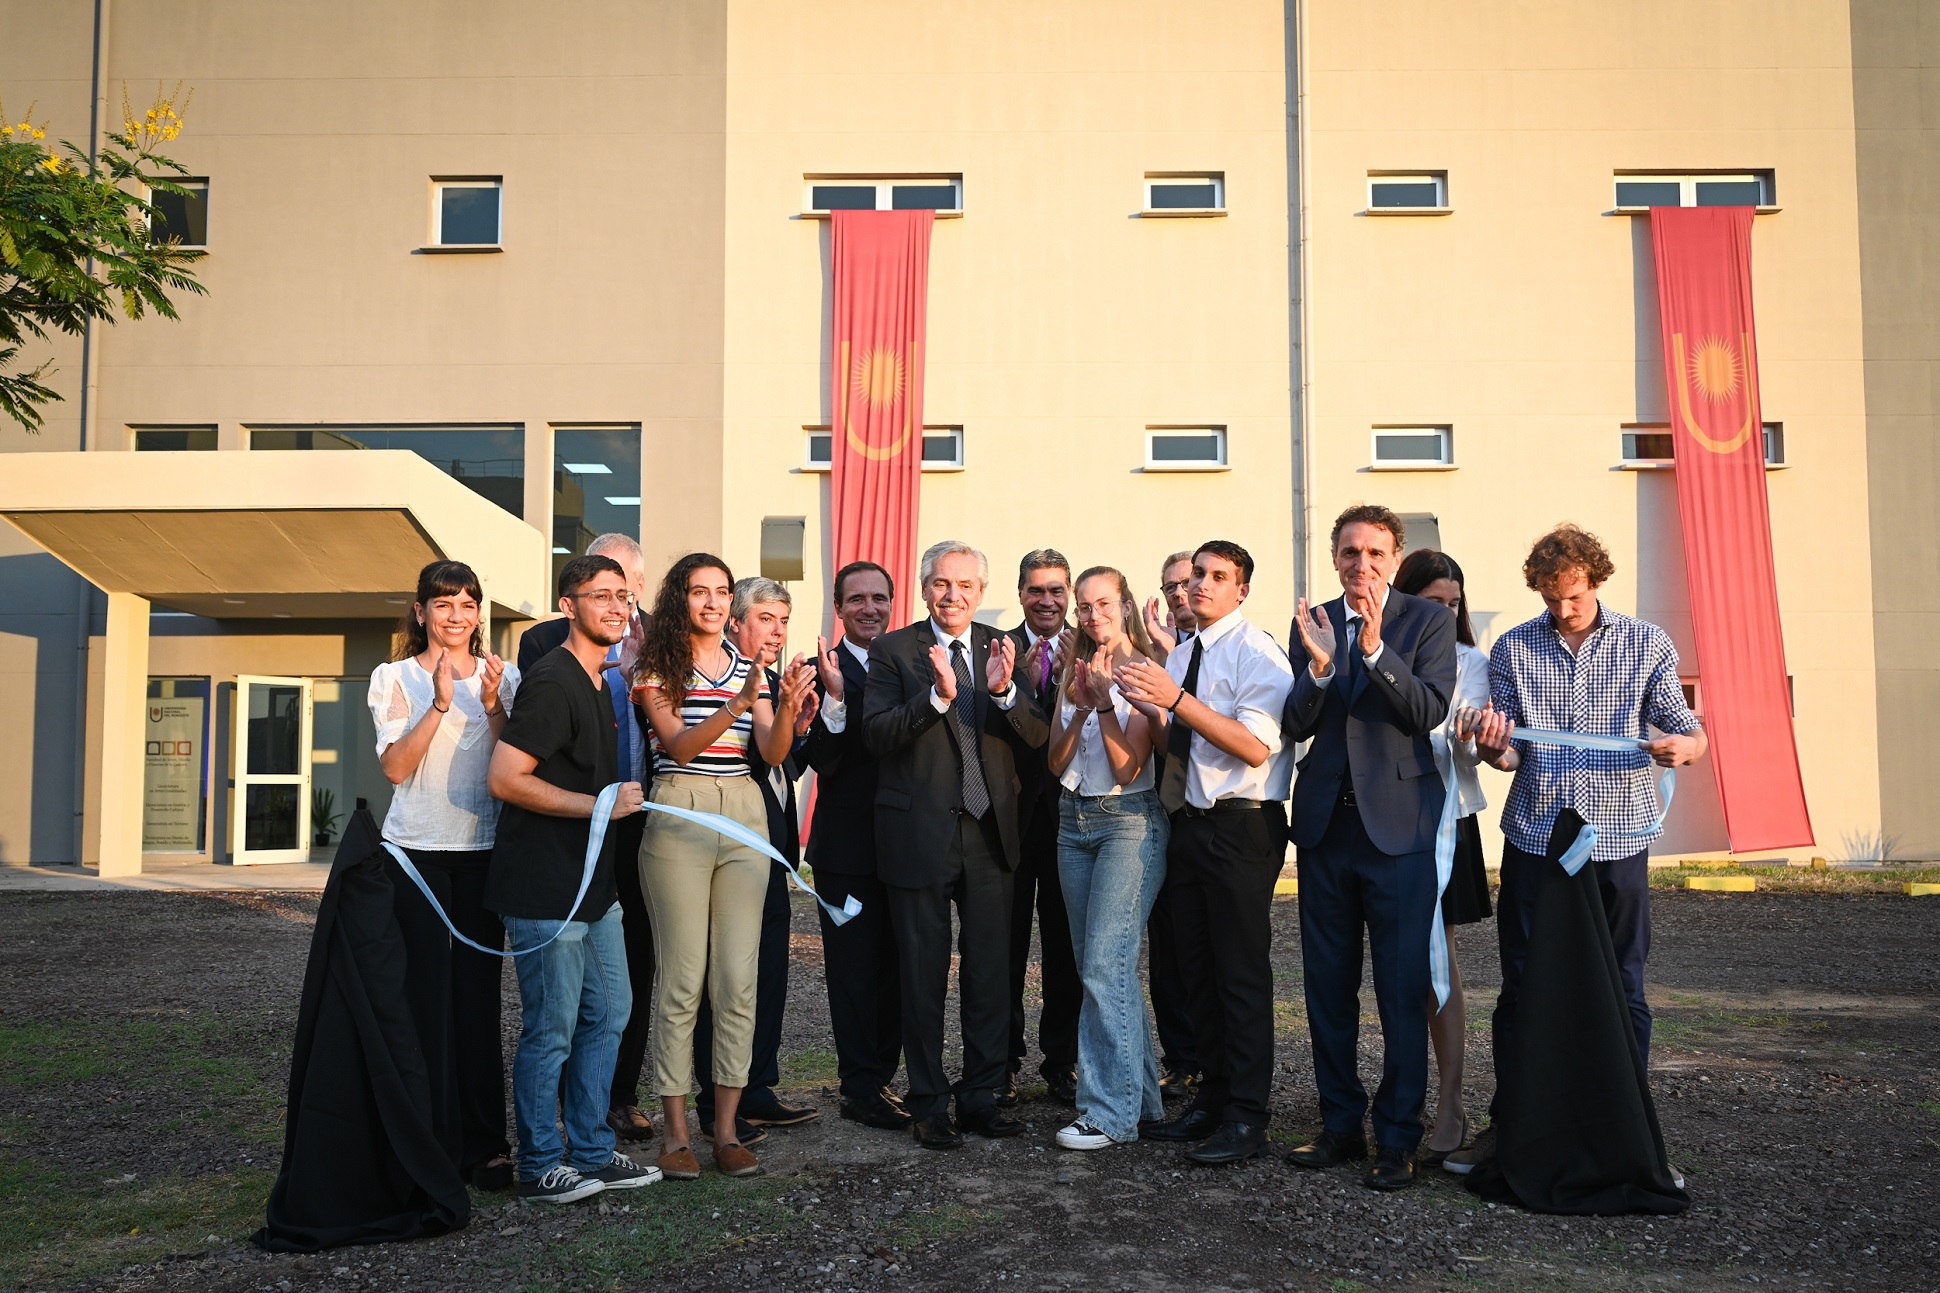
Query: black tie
[[976, 795], [1178, 742], [1355, 662]]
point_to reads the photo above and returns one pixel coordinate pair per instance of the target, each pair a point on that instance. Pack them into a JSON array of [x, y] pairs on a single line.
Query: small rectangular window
[[942, 448], [181, 218], [1426, 191], [1641, 190], [1200, 448], [1649, 445], [1169, 194], [174, 439], [1774, 444], [1401, 447], [465, 212], [942, 194]]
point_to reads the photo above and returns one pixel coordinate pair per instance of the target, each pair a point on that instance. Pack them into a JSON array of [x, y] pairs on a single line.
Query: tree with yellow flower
[[74, 238]]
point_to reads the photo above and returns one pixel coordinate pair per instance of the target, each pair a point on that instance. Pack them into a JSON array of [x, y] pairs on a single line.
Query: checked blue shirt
[[1621, 682]]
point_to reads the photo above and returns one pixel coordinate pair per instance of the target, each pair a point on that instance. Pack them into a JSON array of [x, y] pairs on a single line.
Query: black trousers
[[637, 926], [770, 1004], [1035, 883], [1624, 885], [1347, 884], [981, 889], [1171, 1008], [1220, 873], [458, 998], [865, 985]]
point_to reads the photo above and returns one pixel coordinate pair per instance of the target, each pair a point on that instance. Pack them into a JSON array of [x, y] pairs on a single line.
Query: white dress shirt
[[1244, 675], [945, 639], [1352, 634], [1090, 772]]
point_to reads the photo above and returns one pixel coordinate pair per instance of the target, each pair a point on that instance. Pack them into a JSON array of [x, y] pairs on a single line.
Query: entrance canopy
[[236, 534]]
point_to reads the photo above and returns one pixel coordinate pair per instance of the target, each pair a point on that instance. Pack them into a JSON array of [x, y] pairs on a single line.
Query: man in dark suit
[[758, 620], [859, 957], [1373, 673], [947, 725], [1044, 591], [623, 1112]]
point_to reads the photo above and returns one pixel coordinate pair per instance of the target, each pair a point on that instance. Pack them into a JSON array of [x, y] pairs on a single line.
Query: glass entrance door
[[272, 745]]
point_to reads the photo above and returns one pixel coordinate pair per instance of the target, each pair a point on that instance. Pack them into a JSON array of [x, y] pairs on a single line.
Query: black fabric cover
[[1577, 1132], [367, 1156]]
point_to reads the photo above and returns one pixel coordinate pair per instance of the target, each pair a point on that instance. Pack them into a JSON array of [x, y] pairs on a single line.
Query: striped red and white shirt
[[728, 755]]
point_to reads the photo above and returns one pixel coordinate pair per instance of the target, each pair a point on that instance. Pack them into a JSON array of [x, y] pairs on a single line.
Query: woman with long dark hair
[[1435, 576], [1112, 834], [707, 704], [439, 706]]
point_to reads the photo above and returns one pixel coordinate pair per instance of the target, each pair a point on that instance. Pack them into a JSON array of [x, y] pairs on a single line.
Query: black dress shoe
[[776, 1113], [1063, 1087], [1393, 1169], [935, 1132], [993, 1124], [744, 1131], [875, 1112], [1194, 1124], [1006, 1092], [1234, 1142], [1330, 1149]]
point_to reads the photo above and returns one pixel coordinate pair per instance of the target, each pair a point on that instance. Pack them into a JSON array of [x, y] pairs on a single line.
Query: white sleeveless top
[[444, 805]]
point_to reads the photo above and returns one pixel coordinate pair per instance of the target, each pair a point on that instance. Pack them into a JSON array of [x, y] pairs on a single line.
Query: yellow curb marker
[[1286, 886], [1722, 883], [1921, 889]]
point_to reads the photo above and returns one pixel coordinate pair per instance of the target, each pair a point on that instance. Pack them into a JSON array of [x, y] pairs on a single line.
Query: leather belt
[[1223, 806], [1347, 795]]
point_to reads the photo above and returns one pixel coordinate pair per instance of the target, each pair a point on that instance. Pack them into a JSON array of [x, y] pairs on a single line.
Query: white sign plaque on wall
[[172, 779]]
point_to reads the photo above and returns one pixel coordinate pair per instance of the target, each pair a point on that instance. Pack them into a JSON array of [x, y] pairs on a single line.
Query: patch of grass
[[671, 1224], [55, 1229], [194, 1059], [1790, 879], [809, 1068], [914, 1228], [1346, 1286], [1931, 1106], [1683, 1030]]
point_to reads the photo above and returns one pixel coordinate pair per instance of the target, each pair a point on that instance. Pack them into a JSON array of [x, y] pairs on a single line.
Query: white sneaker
[[625, 1174], [1082, 1135]]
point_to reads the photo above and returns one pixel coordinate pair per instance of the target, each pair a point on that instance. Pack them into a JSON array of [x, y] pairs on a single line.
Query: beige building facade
[[1198, 270]]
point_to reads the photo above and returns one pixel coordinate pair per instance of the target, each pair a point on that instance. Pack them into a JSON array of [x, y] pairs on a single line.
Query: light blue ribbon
[[596, 839], [1573, 858]]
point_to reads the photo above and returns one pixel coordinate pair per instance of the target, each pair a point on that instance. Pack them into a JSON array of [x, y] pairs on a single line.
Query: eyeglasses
[[604, 598], [1174, 586]]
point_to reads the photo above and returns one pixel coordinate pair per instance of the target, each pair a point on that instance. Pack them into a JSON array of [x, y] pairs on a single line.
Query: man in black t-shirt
[[557, 753]]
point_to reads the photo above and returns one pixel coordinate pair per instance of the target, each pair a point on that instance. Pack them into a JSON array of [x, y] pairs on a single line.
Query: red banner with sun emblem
[[1703, 259], [882, 272]]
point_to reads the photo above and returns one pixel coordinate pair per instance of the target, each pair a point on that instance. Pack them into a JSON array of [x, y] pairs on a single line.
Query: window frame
[[814, 431], [1215, 178], [186, 181], [136, 429], [1444, 430], [434, 239], [885, 192], [1224, 461], [1769, 432], [1765, 177], [1438, 178]]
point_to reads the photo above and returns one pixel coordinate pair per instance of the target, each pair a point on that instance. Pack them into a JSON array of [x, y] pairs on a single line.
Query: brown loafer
[[680, 1164], [733, 1160], [628, 1123]]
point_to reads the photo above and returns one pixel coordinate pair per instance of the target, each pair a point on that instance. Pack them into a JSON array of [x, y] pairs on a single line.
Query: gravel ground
[[1792, 1069]]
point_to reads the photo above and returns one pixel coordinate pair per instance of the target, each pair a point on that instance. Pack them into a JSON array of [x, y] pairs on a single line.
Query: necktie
[[1044, 669], [976, 795], [1178, 742], [1355, 663]]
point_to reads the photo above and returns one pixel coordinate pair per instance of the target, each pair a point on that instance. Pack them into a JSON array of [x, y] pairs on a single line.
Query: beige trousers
[[704, 895]]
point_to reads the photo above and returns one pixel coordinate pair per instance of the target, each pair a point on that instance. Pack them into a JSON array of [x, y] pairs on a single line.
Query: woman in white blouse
[[1112, 835], [439, 707], [1434, 575]]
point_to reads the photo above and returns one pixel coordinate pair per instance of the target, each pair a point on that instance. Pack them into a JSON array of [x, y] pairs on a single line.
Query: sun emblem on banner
[[1716, 369], [879, 377]]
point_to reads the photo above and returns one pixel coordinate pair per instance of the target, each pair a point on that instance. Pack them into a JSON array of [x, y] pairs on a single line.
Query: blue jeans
[[575, 998], [1111, 862]]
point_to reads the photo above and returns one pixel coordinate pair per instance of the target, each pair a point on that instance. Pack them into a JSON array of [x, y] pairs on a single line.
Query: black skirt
[[1466, 900]]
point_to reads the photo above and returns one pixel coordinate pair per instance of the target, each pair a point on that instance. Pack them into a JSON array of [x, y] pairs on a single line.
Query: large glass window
[[595, 487], [488, 460]]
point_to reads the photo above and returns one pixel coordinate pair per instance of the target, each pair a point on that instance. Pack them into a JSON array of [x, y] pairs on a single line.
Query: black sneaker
[[624, 1174], [560, 1184]]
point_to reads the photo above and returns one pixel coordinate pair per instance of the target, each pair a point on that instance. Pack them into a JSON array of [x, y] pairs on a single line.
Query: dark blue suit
[[1366, 804]]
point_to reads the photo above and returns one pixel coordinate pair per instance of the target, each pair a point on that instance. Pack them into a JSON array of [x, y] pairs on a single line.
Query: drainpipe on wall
[[90, 385], [1297, 276]]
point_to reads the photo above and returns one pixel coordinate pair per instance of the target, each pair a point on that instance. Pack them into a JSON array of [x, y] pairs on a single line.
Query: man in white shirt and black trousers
[[1226, 776]]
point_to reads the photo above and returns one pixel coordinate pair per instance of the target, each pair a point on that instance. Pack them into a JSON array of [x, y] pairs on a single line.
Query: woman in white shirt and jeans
[[1112, 834], [439, 708]]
